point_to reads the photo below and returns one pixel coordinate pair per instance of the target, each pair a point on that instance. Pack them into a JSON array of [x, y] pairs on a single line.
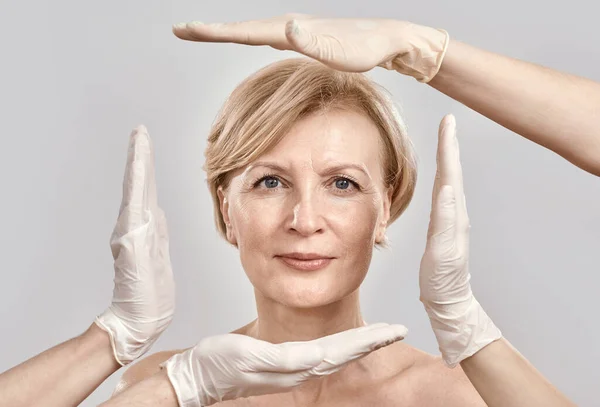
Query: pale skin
[[515, 94], [62, 376], [66, 374], [553, 109], [395, 373], [299, 204], [312, 207]]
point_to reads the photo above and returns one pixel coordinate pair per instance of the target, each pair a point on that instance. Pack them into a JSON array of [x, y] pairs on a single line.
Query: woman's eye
[[342, 183], [345, 184], [271, 182]]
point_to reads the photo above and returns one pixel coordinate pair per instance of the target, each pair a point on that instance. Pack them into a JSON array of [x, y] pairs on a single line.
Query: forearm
[[155, 391], [556, 110], [62, 376], [503, 377]]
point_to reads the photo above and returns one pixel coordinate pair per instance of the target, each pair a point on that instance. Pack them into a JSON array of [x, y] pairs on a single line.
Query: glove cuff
[[423, 58], [126, 347], [461, 333], [182, 378]]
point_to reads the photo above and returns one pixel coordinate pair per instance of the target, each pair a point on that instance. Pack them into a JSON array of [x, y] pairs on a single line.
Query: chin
[[305, 289], [310, 291], [305, 299]]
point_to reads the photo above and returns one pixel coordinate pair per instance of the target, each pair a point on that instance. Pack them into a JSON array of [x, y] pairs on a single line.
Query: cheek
[[255, 221], [355, 226], [259, 220], [356, 219]]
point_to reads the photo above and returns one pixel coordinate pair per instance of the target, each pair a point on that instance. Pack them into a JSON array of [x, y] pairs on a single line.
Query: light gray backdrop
[[76, 77]]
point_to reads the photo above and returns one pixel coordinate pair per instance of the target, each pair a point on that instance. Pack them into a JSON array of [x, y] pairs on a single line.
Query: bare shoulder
[[143, 369], [439, 385], [151, 364]]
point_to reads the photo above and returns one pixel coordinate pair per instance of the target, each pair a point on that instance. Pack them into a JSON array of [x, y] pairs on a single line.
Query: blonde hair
[[261, 110]]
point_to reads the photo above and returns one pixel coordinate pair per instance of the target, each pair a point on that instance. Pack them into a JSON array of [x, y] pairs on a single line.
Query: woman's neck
[[277, 323]]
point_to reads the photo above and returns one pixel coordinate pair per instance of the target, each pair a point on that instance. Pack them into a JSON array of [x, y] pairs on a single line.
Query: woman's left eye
[[342, 183], [345, 184]]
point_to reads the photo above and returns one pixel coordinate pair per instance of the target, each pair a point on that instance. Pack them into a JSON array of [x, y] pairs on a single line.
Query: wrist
[[183, 380], [420, 52], [127, 342], [461, 329], [95, 343]]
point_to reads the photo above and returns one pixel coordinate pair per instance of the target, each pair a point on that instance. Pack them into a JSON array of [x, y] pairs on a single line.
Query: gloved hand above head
[[460, 324], [354, 45], [230, 366], [144, 293]]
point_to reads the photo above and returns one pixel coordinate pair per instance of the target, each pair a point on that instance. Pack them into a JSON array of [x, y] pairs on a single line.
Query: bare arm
[[62, 376], [503, 377], [155, 391], [553, 109], [556, 110]]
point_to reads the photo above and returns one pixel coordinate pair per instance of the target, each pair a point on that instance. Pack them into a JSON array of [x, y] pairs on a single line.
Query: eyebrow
[[327, 171]]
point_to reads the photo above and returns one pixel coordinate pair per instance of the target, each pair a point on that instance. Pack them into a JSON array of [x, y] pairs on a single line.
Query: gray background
[[76, 77]]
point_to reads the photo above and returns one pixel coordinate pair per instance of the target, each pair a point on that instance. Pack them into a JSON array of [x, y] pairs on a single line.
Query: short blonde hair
[[262, 109]]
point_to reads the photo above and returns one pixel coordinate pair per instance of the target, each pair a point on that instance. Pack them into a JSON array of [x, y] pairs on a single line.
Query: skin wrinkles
[[303, 209]]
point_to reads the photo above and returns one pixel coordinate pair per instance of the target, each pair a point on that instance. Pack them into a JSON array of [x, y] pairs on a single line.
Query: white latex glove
[[354, 45], [230, 366], [144, 292], [460, 324]]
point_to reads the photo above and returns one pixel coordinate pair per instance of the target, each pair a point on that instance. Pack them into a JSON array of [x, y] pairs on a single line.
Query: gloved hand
[[230, 366], [354, 45], [144, 293], [460, 324]]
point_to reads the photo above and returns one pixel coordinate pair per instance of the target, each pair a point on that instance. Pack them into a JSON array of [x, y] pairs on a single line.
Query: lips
[[305, 261]]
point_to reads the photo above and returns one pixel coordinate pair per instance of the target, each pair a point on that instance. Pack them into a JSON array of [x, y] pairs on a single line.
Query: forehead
[[335, 135]]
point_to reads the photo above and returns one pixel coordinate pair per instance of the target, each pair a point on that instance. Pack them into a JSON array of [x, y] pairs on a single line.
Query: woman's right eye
[[270, 182]]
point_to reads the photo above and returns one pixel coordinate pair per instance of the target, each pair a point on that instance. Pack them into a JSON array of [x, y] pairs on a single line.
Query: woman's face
[[318, 194]]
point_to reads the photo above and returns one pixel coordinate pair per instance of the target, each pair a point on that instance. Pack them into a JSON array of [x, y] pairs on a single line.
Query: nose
[[307, 214]]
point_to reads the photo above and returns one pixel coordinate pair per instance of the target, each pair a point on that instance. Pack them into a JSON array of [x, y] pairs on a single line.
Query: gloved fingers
[[354, 344], [341, 44], [159, 230], [255, 32], [274, 382], [308, 43], [449, 170], [162, 229], [286, 357], [152, 198], [301, 356], [355, 331], [437, 180], [442, 223], [431, 230], [135, 186], [448, 164]]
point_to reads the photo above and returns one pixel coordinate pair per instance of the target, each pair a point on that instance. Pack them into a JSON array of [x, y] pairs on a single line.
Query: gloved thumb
[[442, 224], [302, 40]]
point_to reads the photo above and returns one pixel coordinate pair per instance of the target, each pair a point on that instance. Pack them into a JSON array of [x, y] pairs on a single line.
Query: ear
[[382, 226], [224, 207]]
